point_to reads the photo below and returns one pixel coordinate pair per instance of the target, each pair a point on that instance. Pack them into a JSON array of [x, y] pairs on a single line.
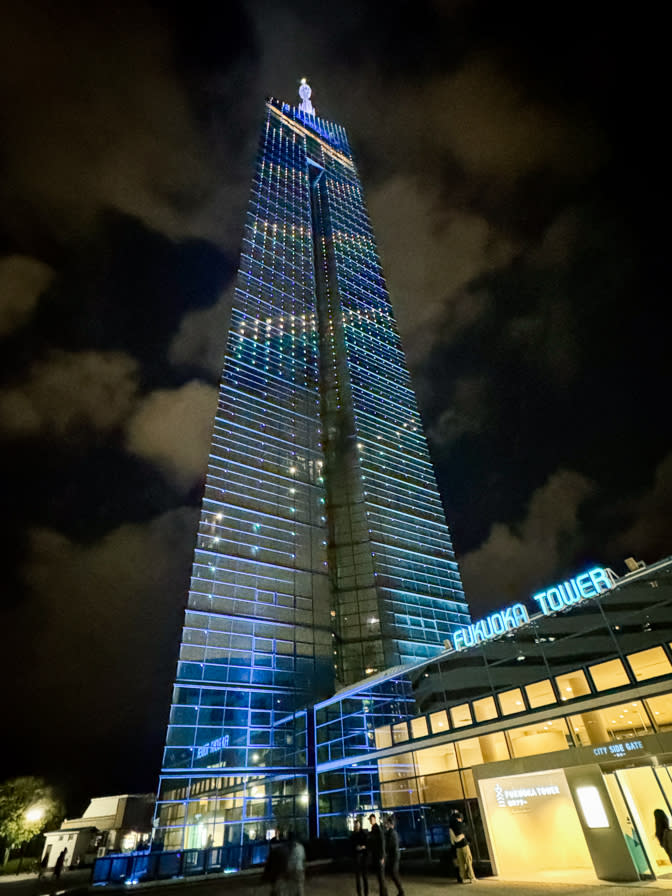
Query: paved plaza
[[339, 884]]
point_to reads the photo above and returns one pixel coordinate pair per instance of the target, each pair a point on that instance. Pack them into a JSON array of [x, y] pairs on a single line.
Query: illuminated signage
[[519, 796], [212, 747], [619, 749], [493, 625], [573, 591], [592, 807], [558, 597]]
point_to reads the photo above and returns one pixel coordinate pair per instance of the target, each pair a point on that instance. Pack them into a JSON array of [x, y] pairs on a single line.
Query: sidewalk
[[343, 884]]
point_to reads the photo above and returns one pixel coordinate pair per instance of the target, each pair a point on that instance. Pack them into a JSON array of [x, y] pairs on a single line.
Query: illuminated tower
[[323, 553]]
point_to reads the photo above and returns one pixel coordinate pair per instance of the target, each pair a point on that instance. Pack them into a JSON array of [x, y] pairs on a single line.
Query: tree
[[27, 806]]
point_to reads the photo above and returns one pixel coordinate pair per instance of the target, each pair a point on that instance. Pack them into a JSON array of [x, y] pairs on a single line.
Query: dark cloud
[[172, 429], [516, 559], [513, 176], [82, 650], [22, 282], [69, 390]]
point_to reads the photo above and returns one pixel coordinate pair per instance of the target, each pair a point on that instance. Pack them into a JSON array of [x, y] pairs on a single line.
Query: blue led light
[[294, 558]]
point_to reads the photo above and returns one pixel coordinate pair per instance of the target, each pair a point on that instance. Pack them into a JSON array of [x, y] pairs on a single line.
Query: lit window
[[460, 715], [608, 675], [540, 693], [383, 737], [443, 787], [469, 752], [511, 701], [435, 759], [485, 709], [620, 722], [660, 710], [400, 732], [573, 684], [494, 747], [419, 727], [394, 767], [545, 736], [439, 721], [649, 663]]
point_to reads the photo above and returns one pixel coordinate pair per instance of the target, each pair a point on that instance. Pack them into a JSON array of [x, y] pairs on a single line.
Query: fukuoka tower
[[323, 553]]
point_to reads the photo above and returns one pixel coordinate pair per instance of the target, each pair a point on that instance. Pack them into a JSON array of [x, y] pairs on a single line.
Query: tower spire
[[305, 92]]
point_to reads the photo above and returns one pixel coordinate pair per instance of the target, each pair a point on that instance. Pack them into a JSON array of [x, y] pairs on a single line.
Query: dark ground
[[319, 883]]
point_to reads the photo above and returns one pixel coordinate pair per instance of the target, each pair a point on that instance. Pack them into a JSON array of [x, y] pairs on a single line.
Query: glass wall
[[230, 811], [527, 694]]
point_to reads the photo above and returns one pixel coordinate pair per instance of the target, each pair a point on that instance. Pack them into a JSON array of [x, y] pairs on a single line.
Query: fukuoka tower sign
[[554, 599]]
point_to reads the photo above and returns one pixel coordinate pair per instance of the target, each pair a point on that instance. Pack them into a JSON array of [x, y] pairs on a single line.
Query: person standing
[[458, 837], [60, 861], [452, 822], [376, 849], [276, 866], [663, 832], [360, 858], [392, 853], [42, 870], [295, 874]]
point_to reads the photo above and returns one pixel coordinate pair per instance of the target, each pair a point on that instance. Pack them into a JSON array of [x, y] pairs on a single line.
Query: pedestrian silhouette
[[60, 861]]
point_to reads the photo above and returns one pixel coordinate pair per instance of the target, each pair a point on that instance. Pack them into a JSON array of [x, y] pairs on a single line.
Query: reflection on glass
[[383, 737], [649, 663], [400, 732], [608, 675], [394, 767], [511, 701], [400, 793], [469, 784], [443, 787]]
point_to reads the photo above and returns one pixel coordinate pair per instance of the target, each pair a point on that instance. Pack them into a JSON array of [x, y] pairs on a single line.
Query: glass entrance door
[[643, 791]]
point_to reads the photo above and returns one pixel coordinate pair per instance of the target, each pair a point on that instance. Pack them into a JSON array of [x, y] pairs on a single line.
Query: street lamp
[[34, 813]]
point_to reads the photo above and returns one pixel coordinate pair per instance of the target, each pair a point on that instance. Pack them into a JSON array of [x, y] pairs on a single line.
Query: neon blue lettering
[[520, 614], [507, 618], [479, 631], [600, 579], [541, 600], [568, 595], [585, 584], [458, 639], [554, 598], [497, 623]]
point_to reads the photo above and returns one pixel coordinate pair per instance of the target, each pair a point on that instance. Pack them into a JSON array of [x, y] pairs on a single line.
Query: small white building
[[109, 824]]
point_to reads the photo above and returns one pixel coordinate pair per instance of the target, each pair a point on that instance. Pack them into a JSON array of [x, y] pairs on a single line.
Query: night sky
[[514, 163]]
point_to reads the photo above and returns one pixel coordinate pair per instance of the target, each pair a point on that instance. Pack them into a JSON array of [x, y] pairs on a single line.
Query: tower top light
[[305, 92]]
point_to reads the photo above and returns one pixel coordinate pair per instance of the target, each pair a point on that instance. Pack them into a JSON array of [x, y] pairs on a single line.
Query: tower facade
[[323, 553]]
